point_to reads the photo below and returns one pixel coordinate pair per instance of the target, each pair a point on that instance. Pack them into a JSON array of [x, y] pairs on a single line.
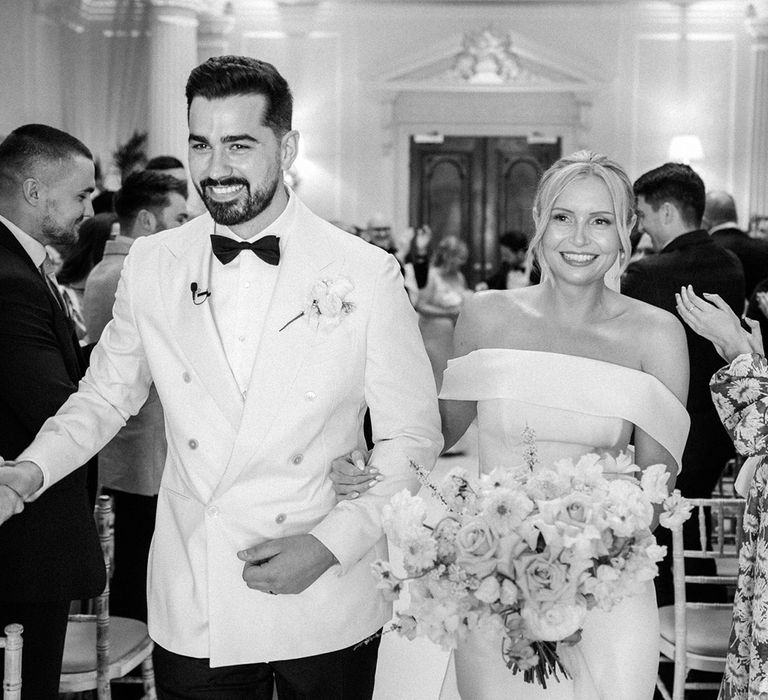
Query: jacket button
[[193, 444], [186, 377], [213, 511], [280, 518], [310, 396], [297, 459]]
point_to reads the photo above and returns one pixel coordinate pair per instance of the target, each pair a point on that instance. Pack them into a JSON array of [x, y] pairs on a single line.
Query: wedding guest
[[512, 271], [440, 302], [740, 393], [78, 261], [49, 553], [721, 219], [416, 260], [257, 577], [169, 165], [670, 204], [131, 464]]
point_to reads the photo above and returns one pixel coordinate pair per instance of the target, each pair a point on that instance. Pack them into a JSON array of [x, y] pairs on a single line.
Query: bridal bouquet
[[523, 554]]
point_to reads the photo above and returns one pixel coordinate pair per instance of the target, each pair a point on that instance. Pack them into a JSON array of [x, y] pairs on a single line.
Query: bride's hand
[[351, 476], [714, 320]]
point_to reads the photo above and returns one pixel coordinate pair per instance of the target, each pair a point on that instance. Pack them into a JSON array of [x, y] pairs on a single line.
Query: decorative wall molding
[[488, 60]]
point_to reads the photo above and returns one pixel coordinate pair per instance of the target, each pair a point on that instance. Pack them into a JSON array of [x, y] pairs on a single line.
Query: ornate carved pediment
[[488, 60]]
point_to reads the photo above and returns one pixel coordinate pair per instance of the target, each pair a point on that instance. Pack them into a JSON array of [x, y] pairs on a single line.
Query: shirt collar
[[724, 225], [277, 228], [33, 248]]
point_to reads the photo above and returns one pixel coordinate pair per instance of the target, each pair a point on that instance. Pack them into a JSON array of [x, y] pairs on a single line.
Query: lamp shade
[[685, 148]]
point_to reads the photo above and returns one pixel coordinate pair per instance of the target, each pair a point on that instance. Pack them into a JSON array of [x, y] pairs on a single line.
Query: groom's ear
[[289, 149]]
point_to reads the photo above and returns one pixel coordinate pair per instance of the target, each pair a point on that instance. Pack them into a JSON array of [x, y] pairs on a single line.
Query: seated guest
[[721, 220], [78, 261], [131, 465]]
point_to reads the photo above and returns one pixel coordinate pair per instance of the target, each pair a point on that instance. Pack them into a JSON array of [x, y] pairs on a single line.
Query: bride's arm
[[665, 357], [456, 416], [351, 475]]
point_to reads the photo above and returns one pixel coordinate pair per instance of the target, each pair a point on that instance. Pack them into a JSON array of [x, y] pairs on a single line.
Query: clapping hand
[[423, 238], [351, 476], [286, 565], [714, 320], [762, 302]]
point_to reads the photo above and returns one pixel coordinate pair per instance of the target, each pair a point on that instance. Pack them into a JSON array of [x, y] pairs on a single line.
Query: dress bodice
[[574, 405]]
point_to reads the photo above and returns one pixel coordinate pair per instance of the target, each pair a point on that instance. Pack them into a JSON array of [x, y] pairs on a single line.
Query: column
[[758, 145], [172, 55]]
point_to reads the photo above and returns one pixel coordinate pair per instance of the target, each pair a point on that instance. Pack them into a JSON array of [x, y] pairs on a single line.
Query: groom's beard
[[242, 208]]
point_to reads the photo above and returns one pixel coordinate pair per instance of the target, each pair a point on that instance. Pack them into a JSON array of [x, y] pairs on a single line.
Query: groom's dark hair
[[31, 144], [227, 76]]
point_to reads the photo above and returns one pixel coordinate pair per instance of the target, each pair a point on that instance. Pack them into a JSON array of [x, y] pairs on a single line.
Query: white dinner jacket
[[241, 471]]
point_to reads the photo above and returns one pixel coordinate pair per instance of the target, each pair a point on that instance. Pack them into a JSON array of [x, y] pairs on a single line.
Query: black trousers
[[45, 626], [347, 674], [134, 527]]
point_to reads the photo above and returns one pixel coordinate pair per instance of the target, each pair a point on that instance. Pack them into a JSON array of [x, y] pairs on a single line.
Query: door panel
[[477, 188]]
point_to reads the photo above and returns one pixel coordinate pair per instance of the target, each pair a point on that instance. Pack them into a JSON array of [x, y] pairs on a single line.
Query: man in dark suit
[[721, 219], [670, 203], [49, 553]]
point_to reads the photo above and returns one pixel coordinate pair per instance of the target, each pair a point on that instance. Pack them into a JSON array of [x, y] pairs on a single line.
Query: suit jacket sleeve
[[400, 392], [637, 282], [115, 387]]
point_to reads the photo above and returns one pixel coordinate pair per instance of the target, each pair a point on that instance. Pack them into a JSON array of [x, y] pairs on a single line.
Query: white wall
[[333, 54]]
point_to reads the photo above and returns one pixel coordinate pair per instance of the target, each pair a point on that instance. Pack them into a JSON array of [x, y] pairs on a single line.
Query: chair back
[[727, 516], [12, 643]]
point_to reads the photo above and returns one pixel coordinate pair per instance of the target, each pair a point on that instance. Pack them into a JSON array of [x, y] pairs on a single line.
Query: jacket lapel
[[191, 320], [281, 352]]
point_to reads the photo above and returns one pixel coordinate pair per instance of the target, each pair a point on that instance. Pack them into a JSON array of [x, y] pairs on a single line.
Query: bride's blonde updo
[[562, 174]]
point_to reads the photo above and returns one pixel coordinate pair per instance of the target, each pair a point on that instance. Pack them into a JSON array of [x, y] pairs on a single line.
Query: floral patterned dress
[[740, 393]]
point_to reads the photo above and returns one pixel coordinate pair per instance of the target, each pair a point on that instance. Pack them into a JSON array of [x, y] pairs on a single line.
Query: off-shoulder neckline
[[547, 353]]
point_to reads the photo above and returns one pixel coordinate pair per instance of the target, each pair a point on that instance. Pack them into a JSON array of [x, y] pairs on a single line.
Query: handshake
[[18, 481]]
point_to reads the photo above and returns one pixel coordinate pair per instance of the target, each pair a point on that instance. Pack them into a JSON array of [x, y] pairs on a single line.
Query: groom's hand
[[286, 565]]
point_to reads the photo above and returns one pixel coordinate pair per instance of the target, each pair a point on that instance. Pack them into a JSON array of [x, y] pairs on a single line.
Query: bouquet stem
[[548, 666]]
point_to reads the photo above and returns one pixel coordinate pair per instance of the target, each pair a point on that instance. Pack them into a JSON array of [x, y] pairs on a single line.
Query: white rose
[[553, 622], [329, 305]]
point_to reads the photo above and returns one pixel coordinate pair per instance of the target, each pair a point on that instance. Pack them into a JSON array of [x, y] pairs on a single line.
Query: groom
[[267, 333]]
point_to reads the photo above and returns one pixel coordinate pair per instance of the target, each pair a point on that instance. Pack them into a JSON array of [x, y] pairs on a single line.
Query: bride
[[589, 370]]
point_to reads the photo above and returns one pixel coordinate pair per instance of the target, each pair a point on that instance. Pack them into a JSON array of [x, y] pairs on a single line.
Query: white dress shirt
[[33, 248], [240, 296]]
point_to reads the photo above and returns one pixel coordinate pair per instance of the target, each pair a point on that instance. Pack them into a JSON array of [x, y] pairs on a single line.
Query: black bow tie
[[227, 249]]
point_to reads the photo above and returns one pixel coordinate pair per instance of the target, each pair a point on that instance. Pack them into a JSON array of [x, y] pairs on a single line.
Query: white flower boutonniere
[[327, 303]]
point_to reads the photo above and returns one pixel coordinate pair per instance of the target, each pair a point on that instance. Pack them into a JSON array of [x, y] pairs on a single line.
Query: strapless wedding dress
[[575, 405]]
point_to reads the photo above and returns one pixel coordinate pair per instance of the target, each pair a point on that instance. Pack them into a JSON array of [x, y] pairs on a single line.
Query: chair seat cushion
[[125, 638], [708, 630]]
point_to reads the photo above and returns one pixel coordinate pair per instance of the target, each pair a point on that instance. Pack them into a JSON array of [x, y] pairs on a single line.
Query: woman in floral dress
[[740, 393]]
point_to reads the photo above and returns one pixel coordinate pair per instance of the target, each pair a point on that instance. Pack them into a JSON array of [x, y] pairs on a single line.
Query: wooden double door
[[477, 188]]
